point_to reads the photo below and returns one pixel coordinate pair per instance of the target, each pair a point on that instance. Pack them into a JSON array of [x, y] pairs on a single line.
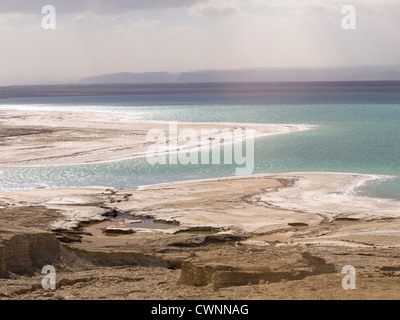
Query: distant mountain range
[[252, 75]]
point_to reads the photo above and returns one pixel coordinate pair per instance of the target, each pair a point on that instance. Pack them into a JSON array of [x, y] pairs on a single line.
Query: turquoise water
[[357, 133]]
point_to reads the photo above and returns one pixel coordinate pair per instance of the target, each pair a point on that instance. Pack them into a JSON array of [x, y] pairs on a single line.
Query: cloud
[[284, 8], [7, 17], [96, 6], [213, 8], [195, 7], [91, 38], [264, 7], [80, 18]]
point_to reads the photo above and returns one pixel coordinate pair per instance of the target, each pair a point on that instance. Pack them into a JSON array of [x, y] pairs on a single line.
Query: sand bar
[[44, 138]]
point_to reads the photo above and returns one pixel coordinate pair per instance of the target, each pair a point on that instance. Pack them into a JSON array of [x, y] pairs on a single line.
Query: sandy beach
[[265, 236]]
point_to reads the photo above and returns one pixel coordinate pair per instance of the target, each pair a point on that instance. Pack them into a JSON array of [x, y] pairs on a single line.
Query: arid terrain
[[163, 256]]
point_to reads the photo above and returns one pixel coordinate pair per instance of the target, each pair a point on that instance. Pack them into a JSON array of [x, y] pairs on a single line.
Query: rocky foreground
[[191, 244]]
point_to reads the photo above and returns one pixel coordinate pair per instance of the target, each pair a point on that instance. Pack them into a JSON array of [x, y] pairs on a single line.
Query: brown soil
[[151, 265]]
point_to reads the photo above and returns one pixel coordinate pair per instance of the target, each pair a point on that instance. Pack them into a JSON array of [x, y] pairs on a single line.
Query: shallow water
[[357, 133]]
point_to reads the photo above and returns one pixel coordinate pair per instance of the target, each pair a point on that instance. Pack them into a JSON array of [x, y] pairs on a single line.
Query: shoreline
[[112, 142], [350, 191], [74, 120], [263, 236], [303, 197]]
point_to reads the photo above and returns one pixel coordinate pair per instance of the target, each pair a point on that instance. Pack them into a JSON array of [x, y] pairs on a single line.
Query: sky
[[95, 37]]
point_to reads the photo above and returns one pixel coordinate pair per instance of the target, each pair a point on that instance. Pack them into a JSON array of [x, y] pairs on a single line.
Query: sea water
[[355, 133]]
